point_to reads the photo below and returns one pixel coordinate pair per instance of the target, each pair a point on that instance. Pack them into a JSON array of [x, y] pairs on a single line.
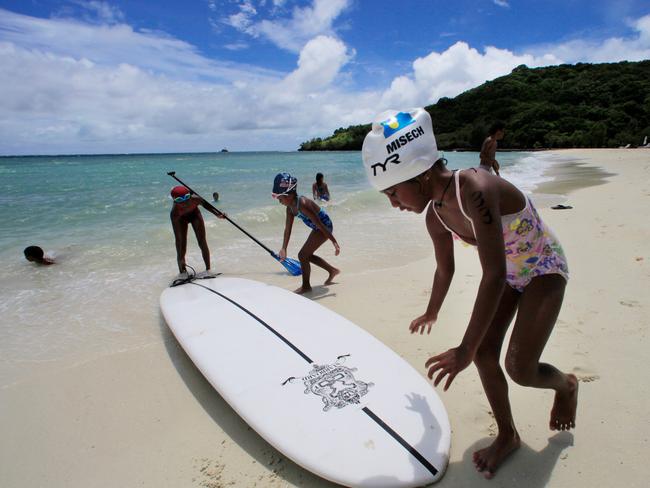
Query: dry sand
[[147, 417]]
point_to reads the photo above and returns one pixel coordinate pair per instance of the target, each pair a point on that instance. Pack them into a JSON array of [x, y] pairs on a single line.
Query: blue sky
[[125, 76]]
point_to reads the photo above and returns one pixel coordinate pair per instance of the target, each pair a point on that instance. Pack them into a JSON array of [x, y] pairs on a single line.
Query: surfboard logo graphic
[[335, 384], [396, 123]]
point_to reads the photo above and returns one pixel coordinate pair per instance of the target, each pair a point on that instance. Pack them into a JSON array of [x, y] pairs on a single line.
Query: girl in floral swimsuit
[[524, 270]]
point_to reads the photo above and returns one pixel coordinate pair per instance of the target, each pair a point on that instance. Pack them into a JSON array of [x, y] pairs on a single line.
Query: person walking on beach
[[35, 254], [524, 270], [489, 148], [319, 189], [314, 217], [185, 211]]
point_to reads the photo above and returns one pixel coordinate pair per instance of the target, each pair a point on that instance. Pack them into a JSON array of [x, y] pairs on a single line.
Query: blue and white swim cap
[[283, 184], [400, 146]]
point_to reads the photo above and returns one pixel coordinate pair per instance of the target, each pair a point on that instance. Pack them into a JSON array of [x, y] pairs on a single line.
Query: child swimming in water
[[524, 270], [35, 254], [314, 217]]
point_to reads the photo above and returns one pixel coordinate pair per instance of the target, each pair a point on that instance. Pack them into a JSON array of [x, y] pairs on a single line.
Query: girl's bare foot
[[563, 414], [489, 459], [302, 290], [330, 278]]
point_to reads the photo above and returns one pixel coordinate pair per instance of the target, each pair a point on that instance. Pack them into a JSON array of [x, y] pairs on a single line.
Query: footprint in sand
[[585, 376], [588, 378], [629, 303]]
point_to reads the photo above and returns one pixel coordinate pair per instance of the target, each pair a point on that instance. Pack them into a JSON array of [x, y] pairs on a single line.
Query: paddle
[[292, 265]]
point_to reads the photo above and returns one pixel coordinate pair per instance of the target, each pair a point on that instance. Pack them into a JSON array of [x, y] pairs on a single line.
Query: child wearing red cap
[[186, 211]]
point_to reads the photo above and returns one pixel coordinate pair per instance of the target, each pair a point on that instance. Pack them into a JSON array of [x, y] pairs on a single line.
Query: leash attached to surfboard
[[291, 265]]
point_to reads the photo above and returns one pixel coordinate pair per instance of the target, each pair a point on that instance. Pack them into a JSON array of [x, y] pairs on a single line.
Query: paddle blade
[[292, 265]]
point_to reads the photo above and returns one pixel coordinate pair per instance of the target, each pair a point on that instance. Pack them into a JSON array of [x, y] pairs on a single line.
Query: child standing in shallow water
[[314, 217], [185, 211], [319, 188], [524, 270], [489, 148]]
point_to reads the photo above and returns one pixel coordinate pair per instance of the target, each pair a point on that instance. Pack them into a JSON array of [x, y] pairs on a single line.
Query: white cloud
[[112, 45], [105, 12], [236, 46], [318, 65], [501, 3], [614, 49], [64, 97], [294, 32], [244, 18], [454, 71], [461, 67]]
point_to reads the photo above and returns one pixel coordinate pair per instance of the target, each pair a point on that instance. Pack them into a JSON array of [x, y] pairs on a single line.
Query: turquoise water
[[106, 219], [73, 199]]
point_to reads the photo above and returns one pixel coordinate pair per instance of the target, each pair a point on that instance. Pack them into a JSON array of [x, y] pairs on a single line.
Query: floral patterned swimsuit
[[531, 247]]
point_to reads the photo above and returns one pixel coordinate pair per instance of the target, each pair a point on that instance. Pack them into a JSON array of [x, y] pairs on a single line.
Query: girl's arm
[[288, 224], [482, 205], [443, 246], [314, 190], [310, 209]]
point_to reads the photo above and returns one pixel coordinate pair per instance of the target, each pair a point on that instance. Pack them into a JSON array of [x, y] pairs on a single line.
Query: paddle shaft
[[212, 207]]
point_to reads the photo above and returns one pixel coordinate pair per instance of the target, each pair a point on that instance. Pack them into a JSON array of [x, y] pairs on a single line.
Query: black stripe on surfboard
[[271, 329], [412, 450]]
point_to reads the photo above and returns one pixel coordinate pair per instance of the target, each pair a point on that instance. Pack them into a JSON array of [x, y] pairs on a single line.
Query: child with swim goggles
[[524, 270], [185, 211], [314, 217]]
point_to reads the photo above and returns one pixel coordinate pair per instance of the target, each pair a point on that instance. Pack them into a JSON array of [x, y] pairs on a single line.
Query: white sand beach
[[147, 417]]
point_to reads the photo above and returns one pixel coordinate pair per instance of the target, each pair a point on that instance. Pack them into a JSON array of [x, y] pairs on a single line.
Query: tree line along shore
[[566, 106]]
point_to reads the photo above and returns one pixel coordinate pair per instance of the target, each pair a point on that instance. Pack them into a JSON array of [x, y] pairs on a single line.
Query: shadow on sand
[[525, 467]]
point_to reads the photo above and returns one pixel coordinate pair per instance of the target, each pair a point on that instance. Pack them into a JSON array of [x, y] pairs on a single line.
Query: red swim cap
[[179, 191]]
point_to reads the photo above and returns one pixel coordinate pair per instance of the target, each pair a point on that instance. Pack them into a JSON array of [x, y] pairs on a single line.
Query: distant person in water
[[35, 254], [319, 189], [489, 148], [215, 196], [185, 211], [314, 217]]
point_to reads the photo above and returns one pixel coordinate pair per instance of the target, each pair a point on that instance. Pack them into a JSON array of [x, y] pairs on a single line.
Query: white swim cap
[[400, 146]]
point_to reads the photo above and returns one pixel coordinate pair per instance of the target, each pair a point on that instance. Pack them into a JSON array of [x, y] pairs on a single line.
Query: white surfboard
[[318, 388]]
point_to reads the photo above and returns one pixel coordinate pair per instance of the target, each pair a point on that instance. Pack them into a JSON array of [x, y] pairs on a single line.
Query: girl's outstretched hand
[[423, 322], [337, 249], [449, 364], [282, 254]]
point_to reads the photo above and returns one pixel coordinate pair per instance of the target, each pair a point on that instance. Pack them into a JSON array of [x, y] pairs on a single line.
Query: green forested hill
[[582, 105]]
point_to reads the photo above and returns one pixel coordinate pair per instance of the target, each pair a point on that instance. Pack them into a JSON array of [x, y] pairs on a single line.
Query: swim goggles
[[182, 199], [286, 192]]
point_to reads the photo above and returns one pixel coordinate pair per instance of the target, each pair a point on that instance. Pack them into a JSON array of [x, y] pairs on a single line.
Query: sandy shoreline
[[148, 418]]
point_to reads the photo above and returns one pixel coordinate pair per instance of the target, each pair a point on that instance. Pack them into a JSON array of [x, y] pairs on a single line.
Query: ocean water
[[106, 220]]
